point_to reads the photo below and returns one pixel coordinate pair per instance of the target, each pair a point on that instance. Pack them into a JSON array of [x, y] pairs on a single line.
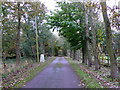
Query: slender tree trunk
[[78, 54], [18, 35], [89, 56], [37, 48], [86, 58], [84, 47], [94, 39], [114, 69], [1, 50], [87, 39], [70, 53], [83, 55], [74, 55], [53, 50]]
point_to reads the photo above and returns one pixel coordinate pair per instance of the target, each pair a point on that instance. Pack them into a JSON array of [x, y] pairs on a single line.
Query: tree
[[8, 31], [18, 34], [94, 37], [14, 28], [36, 6], [88, 54], [114, 71], [69, 23], [14, 11], [1, 33]]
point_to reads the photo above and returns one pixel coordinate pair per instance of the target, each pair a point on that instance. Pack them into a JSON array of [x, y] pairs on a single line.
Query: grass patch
[[89, 81], [32, 73]]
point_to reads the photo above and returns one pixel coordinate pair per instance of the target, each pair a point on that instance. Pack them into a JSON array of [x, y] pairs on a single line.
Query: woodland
[[89, 34]]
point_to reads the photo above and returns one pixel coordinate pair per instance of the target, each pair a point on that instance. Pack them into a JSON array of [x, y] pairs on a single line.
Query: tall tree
[[93, 37], [37, 48], [89, 58], [70, 23], [1, 14], [18, 34], [114, 69]]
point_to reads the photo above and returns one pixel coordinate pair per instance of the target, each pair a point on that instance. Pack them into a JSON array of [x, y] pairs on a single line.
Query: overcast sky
[[52, 3]]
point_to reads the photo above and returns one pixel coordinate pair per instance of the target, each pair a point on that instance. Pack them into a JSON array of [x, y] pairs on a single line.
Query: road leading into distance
[[57, 74]]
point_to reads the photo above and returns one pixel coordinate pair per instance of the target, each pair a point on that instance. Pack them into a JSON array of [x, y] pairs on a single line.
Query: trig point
[[42, 59]]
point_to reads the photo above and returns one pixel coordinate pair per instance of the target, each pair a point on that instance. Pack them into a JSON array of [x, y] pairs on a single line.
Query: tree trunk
[[18, 36], [87, 39], [37, 48], [74, 54], [94, 39], [114, 69], [70, 53], [83, 55], [78, 54], [84, 51], [53, 48], [1, 49], [84, 47]]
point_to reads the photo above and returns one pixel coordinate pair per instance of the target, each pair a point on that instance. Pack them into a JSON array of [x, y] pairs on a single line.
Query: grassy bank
[[85, 78], [23, 78]]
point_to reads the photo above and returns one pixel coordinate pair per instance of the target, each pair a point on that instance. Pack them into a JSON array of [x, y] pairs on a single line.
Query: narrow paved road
[[57, 75]]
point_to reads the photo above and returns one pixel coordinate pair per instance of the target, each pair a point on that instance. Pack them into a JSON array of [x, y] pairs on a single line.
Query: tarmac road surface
[[57, 74]]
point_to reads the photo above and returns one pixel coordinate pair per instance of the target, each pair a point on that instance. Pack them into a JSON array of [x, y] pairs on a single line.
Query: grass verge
[[85, 78], [32, 73]]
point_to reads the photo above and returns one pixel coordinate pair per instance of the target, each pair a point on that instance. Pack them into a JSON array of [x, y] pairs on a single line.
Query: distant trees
[[24, 25], [68, 23], [26, 31], [79, 23]]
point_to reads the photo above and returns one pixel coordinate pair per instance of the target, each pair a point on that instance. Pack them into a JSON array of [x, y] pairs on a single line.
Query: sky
[[50, 4]]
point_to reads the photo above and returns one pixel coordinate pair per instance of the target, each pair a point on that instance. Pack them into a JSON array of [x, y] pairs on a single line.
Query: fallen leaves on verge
[[101, 76]]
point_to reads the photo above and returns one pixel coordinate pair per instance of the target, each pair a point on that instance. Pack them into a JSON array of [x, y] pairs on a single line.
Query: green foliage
[[28, 11], [100, 36], [70, 23]]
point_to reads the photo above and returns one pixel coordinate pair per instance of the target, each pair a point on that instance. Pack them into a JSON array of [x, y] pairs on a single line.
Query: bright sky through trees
[[51, 5]]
